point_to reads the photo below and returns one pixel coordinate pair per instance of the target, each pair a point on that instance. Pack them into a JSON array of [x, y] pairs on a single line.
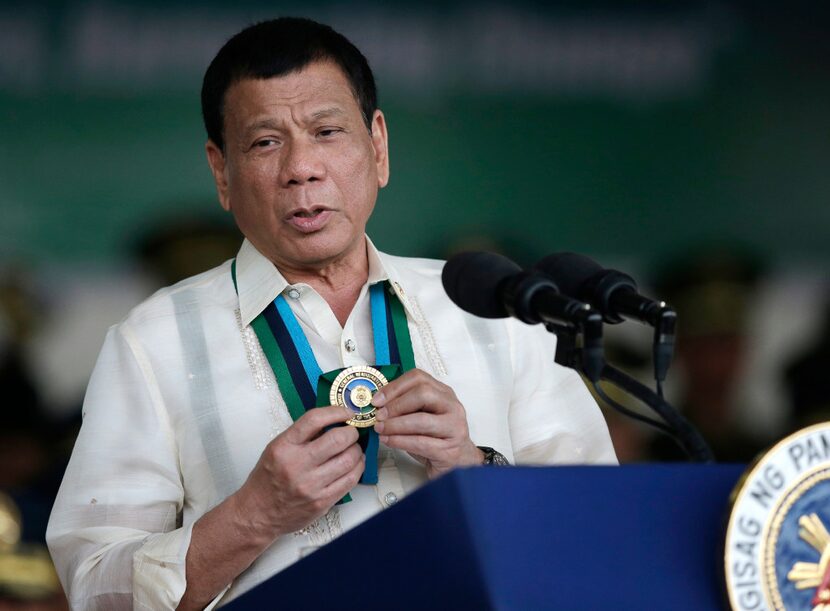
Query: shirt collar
[[259, 282]]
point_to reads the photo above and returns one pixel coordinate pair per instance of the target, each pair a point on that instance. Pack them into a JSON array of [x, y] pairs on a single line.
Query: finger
[[401, 385], [420, 398], [339, 487], [331, 443], [339, 465], [314, 421], [427, 447], [418, 423]]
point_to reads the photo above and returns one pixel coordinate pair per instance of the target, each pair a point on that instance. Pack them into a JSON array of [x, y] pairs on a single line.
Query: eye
[[265, 143], [328, 132]]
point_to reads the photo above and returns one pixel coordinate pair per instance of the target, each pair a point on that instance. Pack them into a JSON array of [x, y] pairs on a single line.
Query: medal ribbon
[[298, 374]]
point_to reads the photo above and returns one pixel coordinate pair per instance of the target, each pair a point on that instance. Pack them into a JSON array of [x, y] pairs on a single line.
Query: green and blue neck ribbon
[[302, 383]]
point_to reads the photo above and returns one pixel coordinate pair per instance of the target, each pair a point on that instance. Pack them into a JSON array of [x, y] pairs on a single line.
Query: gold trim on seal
[[740, 490]]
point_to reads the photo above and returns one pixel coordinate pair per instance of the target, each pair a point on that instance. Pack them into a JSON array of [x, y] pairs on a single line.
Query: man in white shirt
[[189, 482]]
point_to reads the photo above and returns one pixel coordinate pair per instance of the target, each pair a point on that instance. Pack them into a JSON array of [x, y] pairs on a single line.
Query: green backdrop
[[742, 155]]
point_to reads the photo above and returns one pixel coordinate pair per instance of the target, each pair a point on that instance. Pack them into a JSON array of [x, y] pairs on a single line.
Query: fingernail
[[381, 413], [383, 438], [378, 399], [379, 427], [348, 411]]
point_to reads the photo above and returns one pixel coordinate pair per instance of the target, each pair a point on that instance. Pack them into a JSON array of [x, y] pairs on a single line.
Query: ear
[[219, 169], [380, 143]]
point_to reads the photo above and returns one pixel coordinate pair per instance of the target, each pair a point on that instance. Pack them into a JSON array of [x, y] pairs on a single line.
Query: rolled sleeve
[[159, 578]]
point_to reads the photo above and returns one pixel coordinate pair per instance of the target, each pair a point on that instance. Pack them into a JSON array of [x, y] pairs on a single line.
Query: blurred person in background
[[33, 443], [31, 463], [177, 247], [23, 449], [807, 379], [712, 291]]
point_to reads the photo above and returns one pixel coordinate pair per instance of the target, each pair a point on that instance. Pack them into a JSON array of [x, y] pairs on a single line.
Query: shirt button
[[350, 347], [390, 498], [294, 294]]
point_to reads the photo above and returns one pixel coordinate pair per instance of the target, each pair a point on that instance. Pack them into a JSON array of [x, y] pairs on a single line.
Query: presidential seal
[[777, 552], [354, 387]]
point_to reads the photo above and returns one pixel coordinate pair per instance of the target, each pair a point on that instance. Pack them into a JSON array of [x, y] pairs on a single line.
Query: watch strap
[[492, 457]]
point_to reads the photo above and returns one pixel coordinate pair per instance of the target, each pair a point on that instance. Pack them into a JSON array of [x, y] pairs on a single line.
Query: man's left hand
[[422, 416]]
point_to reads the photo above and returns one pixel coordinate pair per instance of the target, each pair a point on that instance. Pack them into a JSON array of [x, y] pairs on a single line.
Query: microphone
[[492, 286], [611, 292], [616, 296]]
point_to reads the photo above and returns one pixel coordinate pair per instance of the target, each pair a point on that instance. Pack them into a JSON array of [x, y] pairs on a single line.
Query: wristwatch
[[491, 457]]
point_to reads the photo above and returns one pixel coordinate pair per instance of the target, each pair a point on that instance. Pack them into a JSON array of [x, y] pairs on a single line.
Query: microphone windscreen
[[474, 280], [570, 272]]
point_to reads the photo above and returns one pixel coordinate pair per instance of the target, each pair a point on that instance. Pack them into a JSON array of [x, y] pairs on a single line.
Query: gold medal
[[353, 388]]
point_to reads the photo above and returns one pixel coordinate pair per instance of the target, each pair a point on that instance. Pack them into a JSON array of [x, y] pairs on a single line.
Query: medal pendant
[[354, 388]]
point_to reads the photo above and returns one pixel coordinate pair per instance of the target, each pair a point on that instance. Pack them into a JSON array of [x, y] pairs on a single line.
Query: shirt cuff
[[159, 579]]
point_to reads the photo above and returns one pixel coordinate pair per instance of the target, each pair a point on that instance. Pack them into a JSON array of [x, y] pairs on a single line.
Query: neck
[[339, 282]]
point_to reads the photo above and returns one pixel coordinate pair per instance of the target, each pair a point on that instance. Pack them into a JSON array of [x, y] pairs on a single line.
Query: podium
[[637, 537]]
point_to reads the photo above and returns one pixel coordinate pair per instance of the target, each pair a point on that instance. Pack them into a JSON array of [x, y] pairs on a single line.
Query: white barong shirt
[[182, 402]]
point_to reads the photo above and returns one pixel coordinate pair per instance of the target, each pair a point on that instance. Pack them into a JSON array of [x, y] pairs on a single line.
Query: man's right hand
[[302, 473], [299, 476]]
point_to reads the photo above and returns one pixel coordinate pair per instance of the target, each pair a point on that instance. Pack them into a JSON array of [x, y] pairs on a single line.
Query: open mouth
[[309, 220], [307, 214]]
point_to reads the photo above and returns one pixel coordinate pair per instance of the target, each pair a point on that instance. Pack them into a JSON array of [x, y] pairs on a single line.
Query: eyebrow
[[324, 113], [270, 123], [261, 124]]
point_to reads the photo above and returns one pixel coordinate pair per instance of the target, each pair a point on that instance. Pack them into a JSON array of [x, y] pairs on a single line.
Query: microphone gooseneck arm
[[588, 359], [690, 438]]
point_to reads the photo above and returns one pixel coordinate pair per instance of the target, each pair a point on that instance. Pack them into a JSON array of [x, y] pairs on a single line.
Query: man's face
[[300, 171]]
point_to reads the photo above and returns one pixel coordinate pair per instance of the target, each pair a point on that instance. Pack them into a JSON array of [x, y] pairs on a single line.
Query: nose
[[301, 163]]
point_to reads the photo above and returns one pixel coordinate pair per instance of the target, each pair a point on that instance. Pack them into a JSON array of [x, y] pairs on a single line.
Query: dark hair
[[277, 47]]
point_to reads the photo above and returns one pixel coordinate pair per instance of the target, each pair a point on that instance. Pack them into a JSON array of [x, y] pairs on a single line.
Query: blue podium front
[[633, 537]]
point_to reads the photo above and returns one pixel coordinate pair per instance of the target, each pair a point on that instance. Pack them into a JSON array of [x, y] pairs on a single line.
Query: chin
[[319, 252]]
